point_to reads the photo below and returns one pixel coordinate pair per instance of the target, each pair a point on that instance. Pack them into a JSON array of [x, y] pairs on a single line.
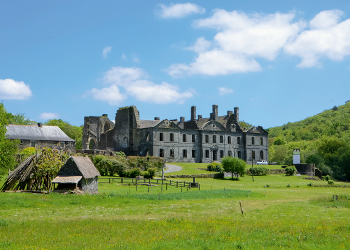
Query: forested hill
[[324, 139], [334, 122]]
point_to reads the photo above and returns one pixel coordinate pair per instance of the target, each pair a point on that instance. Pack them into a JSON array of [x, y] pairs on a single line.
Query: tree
[[8, 148], [234, 165], [18, 119]]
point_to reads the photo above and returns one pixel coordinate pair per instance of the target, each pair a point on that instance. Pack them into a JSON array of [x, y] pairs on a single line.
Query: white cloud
[[123, 56], [111, 95], [225, 91], [15, 90], [325, 38], [200, 45], [179, 10], [48, 116], [135, 59], [106, 51], [133, 82], [241, 38]]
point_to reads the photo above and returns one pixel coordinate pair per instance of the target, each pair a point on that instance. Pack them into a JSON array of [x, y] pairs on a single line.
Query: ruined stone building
[[196, 140]]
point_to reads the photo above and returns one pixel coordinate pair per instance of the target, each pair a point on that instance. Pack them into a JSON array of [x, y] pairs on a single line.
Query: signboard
[[296, 156]]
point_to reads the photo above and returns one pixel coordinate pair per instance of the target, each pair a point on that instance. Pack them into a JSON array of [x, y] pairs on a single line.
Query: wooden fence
[[149, 182]]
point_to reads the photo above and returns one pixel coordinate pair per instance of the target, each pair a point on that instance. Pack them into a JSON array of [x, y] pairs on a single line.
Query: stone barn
[[78, 173]]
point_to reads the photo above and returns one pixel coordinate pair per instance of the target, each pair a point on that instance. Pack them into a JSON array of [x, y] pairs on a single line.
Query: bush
[[150, 173], [290, 170], [326, 178], [132, 173], [214, 166], [331, 182], [258, 171], [220, 175]]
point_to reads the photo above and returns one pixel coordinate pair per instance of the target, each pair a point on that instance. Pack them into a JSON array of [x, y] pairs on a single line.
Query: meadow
[[280, 212]]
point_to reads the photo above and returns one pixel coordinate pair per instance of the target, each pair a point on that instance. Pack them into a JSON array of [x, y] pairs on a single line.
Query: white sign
[[296, 159]]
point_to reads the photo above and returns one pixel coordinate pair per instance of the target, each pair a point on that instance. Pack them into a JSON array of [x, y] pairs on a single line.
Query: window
[[32, 144], [184, 153], [230, 153], [206, 153], [229, 140], [261, 155], [193, 153], [193, 138], [221, 139], [238, 140], [214, 138], [171, 137], [21, 142], [252, 140], [253, 155], [261, 141], [161, 152], [239, 154], [221, 153], [206, 138], [161, 136], [171, 153], [184, 137]]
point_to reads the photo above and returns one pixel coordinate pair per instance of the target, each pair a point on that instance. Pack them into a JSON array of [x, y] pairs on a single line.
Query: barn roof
[[34, 132]]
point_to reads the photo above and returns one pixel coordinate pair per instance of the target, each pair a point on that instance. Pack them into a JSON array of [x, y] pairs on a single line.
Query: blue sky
[[278, 61]]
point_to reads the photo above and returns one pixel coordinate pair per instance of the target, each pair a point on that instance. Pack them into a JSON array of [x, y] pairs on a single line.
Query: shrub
[[330, 182], [132, 173], [290, 170], [259, 171], [214, 166], [219, 175], [150, 173]]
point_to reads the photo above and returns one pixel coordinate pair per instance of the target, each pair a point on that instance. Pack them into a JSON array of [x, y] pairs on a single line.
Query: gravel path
[[171, 168]]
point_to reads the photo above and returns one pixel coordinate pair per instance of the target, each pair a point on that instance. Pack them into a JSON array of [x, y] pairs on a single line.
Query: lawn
[[275, 217]]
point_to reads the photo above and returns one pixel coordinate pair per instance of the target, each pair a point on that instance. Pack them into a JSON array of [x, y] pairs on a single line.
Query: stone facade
[[196, 140]]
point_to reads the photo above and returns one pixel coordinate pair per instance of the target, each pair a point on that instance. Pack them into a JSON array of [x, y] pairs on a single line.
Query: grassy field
[[287, 214], [199, 168]]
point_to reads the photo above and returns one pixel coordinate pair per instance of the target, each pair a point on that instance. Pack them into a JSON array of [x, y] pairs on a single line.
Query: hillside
[[322, 138]]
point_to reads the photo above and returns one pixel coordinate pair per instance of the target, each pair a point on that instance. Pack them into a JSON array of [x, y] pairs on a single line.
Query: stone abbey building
[[196, 140]]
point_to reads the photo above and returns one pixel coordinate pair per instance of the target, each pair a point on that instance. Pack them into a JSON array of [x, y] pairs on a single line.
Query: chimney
[[105, 115], [156, 118], [199, 117], [236, 113], [193, 113], [182, 119], [215, 112], [40, 125], [229, 113]]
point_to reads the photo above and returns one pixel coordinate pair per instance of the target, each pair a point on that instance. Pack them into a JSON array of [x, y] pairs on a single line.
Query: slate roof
[[148, 123], [33, 132]]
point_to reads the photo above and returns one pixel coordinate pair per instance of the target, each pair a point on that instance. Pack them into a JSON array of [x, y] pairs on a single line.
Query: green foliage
[[245, 124], [28, 151], [331, 182], [215, 166], [132, 173], [18, 119], [258, 171], [150, 173], [74, 132], [234, 165], [8, 148], [290, 170], [47, 166]]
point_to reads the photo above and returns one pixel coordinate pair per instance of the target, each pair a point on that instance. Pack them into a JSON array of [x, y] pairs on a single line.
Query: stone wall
[[69, 146], [90, 186]]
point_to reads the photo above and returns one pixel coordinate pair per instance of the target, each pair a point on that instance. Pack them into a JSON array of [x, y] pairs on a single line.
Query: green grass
[[199, 168], [278, 217]]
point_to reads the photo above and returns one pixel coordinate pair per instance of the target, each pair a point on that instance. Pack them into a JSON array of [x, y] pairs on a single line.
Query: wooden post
[[199, 187], [157, 181], [177, 184], [252, 168], [109, 180], [166, 186], [225, 191], [136, 187], [170, 182], [181, 189], [122, 180], [148, 189], [241, 207]]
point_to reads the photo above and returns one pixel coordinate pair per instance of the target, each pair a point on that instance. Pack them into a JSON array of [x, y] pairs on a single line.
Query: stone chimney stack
[[199, 117], [182, 119], [156, 118], [215, 112], [40, 125], [193, 113], [236, 113]]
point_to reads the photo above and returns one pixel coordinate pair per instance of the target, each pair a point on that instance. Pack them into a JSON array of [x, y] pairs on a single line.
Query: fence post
[[199, 187], [121, 180], [181, 189], [109, 180], [177, 184], [162, 181], [184, 183], [148, 189], [170, 182], [166, 186]]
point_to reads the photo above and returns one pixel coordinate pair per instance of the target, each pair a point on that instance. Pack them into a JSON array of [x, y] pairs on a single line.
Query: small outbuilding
[[79, 174]]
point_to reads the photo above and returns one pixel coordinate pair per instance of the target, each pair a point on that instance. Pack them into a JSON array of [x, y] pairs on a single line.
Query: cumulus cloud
[[179, 10], [327, 37], [134, 83], [241, 38], [106, 51], [225, 91], [14, 90], [123, 56], [48, 116]]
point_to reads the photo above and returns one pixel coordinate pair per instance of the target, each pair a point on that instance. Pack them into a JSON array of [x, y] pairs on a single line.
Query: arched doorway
[[92, 144]]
